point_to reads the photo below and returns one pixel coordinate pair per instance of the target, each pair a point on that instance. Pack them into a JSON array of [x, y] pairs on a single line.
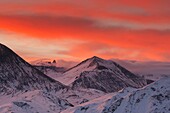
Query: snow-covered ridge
[[154, 98]]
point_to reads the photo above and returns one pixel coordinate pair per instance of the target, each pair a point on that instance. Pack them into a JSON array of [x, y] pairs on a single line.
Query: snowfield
[[32, 102], [154, 98]]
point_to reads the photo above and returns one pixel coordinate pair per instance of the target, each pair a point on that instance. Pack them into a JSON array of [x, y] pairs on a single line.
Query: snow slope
[[39, 101], [154, 98], [79, 96], [51, 71], [70, 75], [33, 102], [48, 67]]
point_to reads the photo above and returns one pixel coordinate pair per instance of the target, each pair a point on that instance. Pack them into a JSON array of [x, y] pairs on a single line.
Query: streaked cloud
[[77, 29]]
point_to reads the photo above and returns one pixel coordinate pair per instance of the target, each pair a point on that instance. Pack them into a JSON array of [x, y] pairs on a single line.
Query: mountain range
[[95, 85]]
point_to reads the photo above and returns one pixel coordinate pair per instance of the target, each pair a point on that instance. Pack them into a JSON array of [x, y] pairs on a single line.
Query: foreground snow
[[32, 102], [154, 98], [46, 102], [79, 96]]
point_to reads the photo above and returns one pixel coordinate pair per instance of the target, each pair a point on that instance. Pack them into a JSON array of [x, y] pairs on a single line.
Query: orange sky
[[77, 29]]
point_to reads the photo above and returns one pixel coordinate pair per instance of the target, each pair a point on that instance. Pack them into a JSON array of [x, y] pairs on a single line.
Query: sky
[[79, 29]]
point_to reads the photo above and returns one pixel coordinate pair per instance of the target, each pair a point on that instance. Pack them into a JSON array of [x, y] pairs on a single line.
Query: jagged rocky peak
[[101, 64], [18, 75]]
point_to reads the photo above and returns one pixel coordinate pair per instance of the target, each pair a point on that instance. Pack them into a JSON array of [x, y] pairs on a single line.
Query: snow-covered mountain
[[18, 75], [154, 98], [100, 74]]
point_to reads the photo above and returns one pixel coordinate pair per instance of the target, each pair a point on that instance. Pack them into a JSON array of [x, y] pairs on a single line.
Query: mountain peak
[[18, 75], [94, 66], [1, 44], [89, 62], [6, 54], [96, 58], [3, 49]]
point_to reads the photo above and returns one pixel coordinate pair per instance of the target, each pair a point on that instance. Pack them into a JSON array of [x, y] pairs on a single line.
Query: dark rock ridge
[[18, 75], [106, 76]]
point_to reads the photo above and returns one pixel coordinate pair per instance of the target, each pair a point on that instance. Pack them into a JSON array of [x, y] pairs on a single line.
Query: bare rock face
[[18, 75], [106, 76]]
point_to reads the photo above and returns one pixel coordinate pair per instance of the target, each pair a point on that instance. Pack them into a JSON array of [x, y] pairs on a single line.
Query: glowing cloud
[[65, 29]]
